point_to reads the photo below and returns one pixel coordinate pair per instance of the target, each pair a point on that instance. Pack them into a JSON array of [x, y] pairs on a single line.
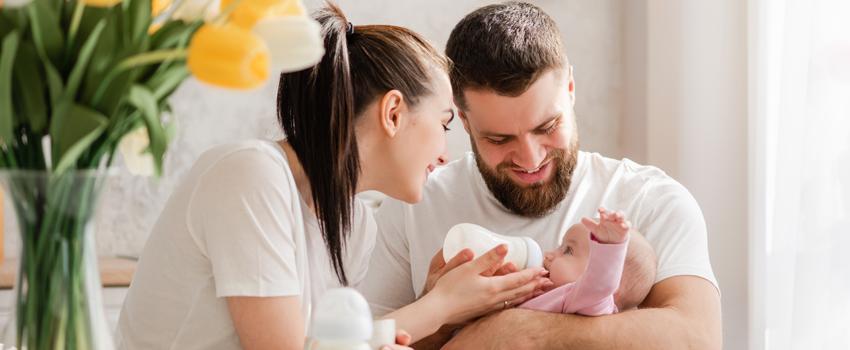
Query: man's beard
[[538, 199]]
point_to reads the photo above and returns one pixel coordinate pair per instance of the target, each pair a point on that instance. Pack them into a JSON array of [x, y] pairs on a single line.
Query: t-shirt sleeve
[[242, 216], [388, 285], [672, 222]]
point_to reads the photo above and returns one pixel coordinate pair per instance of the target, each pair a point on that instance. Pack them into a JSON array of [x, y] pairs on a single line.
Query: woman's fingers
[[524, 291], [488, 263], [402, 338], [518, 279], [506, 269]]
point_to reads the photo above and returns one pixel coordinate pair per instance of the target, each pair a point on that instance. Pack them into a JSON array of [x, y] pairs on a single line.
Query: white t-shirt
[[409, 235], [236, 226]]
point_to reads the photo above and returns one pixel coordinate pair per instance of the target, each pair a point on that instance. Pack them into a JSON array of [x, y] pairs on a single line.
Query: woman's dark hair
[[317, 109]]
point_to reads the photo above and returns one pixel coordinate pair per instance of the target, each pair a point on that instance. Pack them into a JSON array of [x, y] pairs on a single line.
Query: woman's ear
[[391, 108]]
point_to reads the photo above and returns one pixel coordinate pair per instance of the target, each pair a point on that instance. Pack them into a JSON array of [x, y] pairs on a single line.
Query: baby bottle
[[524, 252], [342, 321]]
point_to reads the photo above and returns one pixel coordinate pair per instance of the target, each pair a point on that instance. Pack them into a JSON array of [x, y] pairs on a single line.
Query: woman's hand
[[467, 290]]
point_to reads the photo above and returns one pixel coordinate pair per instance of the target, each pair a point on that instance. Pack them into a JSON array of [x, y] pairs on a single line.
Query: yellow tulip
[[248, 12], [228, 56], [101, 3]]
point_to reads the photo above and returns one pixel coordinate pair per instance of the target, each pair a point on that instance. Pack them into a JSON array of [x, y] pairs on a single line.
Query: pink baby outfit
[[593, 293]]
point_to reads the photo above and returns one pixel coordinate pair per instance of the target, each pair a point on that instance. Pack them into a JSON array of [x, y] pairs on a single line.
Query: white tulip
[[193, 10], [294, 42], [14, 3], [133, 148]]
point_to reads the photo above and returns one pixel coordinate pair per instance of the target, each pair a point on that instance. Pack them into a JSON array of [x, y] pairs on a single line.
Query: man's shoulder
[[626, 174]]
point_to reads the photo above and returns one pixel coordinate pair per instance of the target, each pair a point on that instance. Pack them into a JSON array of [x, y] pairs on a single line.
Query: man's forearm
[[680, 313], [657, 328]]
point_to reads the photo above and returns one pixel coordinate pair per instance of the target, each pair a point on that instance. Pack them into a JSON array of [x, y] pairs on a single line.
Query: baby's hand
[[612, 228]]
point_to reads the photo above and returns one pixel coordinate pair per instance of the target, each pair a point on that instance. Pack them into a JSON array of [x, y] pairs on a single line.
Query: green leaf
[[162, 84], [104, 57], [171, 35], [31, 92], [12, 19], [6, 24], [54, 82], [89, 21], [138, 13], [7, 61], [46, 32], [143, 99], [73, 130], [83, 61]]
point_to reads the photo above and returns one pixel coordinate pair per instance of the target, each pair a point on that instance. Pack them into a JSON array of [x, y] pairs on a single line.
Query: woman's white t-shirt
[[236, 226]]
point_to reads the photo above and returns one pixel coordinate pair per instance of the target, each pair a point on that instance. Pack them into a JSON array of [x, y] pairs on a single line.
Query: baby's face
[[569, 260]]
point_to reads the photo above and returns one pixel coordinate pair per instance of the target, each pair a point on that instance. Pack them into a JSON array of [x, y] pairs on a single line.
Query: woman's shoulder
[[243, 166]]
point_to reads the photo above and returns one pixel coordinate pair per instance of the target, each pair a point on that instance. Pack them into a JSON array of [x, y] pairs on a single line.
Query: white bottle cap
[[535, 254], [341, 314], [383, 333]]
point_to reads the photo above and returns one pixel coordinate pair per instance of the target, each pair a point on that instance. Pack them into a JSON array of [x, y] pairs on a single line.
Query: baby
[[587, 268]]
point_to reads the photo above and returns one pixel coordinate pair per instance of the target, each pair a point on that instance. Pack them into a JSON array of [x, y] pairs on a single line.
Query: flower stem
[[151, 57], [136, 61]]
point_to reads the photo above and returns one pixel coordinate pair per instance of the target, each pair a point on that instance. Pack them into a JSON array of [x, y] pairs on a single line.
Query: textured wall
[[207, 116]]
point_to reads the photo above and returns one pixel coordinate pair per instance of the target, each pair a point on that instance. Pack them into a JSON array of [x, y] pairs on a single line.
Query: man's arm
[[681, 312]]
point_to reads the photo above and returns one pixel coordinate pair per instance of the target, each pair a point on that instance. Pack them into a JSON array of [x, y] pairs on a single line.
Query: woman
[[259, 230]]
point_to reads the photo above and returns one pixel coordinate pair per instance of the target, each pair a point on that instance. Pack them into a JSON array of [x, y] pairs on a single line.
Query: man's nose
[[529, 153]]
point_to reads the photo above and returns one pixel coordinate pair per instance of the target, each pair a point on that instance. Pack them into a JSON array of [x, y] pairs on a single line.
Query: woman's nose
[[442, 160]]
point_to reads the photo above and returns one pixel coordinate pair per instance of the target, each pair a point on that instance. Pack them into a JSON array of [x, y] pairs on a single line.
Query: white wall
[[687, 103]]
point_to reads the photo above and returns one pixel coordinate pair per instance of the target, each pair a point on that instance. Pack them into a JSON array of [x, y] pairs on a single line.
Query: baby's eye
[[568, 250]]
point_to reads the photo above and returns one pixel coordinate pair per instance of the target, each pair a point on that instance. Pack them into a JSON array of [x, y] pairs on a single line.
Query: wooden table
[[114, 272]]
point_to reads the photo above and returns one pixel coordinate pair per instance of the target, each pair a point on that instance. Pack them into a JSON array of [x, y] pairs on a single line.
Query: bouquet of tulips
[[79, 76]]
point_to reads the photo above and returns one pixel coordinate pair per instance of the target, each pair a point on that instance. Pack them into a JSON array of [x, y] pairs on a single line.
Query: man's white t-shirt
[[409, 235], [236, 226]]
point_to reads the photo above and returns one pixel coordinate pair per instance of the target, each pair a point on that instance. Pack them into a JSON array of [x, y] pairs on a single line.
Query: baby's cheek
[[559, 272]]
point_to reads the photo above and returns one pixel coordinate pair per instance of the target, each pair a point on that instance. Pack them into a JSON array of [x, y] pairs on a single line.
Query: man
[[515, 91]]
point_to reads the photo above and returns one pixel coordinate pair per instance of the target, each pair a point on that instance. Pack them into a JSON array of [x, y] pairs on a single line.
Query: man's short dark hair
[[503, 48]]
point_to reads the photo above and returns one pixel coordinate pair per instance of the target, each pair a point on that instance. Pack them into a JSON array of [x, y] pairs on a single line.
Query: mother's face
[[417, 144]]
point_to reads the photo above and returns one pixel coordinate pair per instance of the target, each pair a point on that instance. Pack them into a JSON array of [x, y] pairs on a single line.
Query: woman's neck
[[303, 182]]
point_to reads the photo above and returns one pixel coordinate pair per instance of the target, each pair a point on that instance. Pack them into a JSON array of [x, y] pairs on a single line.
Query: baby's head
[[568, 262]]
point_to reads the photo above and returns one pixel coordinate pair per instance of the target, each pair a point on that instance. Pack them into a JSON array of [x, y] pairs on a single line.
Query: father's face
[[525, 146]]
